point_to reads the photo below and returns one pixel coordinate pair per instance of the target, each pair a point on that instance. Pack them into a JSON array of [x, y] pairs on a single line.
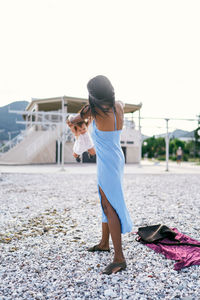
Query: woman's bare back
[[106, 122]]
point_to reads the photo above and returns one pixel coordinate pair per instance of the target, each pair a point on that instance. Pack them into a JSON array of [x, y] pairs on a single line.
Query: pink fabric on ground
[[185, 255]]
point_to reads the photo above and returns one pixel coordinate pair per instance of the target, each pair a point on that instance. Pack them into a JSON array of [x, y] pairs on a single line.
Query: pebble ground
[[47, 221]]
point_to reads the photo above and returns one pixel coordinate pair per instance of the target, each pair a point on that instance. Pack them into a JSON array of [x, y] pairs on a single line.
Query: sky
[[149, 49]]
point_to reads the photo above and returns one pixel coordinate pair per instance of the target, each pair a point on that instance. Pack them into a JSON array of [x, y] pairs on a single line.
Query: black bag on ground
[[156, 233]]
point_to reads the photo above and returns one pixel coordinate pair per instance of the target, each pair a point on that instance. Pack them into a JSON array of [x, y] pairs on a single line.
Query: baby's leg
[[75, 155], [78, 158], [92, 151]]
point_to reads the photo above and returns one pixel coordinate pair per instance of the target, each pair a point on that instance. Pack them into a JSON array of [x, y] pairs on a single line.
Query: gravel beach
[[48, 220]]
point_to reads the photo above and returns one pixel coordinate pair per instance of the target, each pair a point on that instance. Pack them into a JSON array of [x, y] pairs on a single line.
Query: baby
[[83, 140]]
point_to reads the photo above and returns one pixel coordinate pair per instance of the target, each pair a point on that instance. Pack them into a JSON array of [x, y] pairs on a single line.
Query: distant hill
[[178, 134], [8, 120], [189, 134]]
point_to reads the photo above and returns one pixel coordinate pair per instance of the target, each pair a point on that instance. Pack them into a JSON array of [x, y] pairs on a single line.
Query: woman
[[107, 126]]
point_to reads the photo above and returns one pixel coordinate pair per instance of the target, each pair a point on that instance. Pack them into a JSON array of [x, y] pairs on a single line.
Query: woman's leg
[[114, 228]]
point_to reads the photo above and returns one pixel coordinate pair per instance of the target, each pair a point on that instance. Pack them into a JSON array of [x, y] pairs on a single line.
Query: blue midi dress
[[110, 169]]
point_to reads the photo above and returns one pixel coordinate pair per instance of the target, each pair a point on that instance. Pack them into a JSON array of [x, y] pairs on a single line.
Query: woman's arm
[[89, 120], [85, 113]]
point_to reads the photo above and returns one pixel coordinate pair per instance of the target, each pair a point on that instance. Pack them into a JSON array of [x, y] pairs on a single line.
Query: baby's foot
[[78, 159]]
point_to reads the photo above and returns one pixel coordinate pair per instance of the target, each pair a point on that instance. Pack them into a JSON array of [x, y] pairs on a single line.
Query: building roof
[[74, 104], [131, 108]]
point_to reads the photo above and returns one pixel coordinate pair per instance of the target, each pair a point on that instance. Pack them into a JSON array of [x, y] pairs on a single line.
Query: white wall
[[132, 155]]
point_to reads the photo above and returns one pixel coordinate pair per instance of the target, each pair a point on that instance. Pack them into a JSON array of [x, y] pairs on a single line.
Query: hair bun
[[101, 88]]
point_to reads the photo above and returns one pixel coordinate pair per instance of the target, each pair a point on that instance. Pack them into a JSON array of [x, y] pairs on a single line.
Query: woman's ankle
[[104, 245], [119, 258]]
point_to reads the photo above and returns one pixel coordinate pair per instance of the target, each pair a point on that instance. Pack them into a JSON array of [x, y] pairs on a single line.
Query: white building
[[46, 131]]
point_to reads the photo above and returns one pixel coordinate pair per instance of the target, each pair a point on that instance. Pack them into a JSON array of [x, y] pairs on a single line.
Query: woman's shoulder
[[120, 103], [119, 106]]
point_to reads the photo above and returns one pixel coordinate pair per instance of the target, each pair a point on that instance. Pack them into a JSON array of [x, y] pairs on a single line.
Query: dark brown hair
[[79, 124], [101, 95]]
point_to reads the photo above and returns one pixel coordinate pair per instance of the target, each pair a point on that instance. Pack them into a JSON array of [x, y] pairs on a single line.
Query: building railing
[[13, 142], [68, 135], [45, 121]]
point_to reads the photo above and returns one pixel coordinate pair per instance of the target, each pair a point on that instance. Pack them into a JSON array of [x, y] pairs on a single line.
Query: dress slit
[[100, 196]]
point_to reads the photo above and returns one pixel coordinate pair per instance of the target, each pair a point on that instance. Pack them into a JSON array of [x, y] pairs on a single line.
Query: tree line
[[155, 147]]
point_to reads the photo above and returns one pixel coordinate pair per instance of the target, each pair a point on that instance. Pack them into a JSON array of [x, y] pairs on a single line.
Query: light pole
[[167, 145], [58, 151], [140, 139], [63, 135]]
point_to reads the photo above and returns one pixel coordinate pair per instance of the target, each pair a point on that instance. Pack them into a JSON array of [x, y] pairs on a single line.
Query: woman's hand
[[85, 112]]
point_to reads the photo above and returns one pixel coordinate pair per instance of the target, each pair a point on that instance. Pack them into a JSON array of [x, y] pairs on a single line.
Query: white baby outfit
[[83, 143]]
